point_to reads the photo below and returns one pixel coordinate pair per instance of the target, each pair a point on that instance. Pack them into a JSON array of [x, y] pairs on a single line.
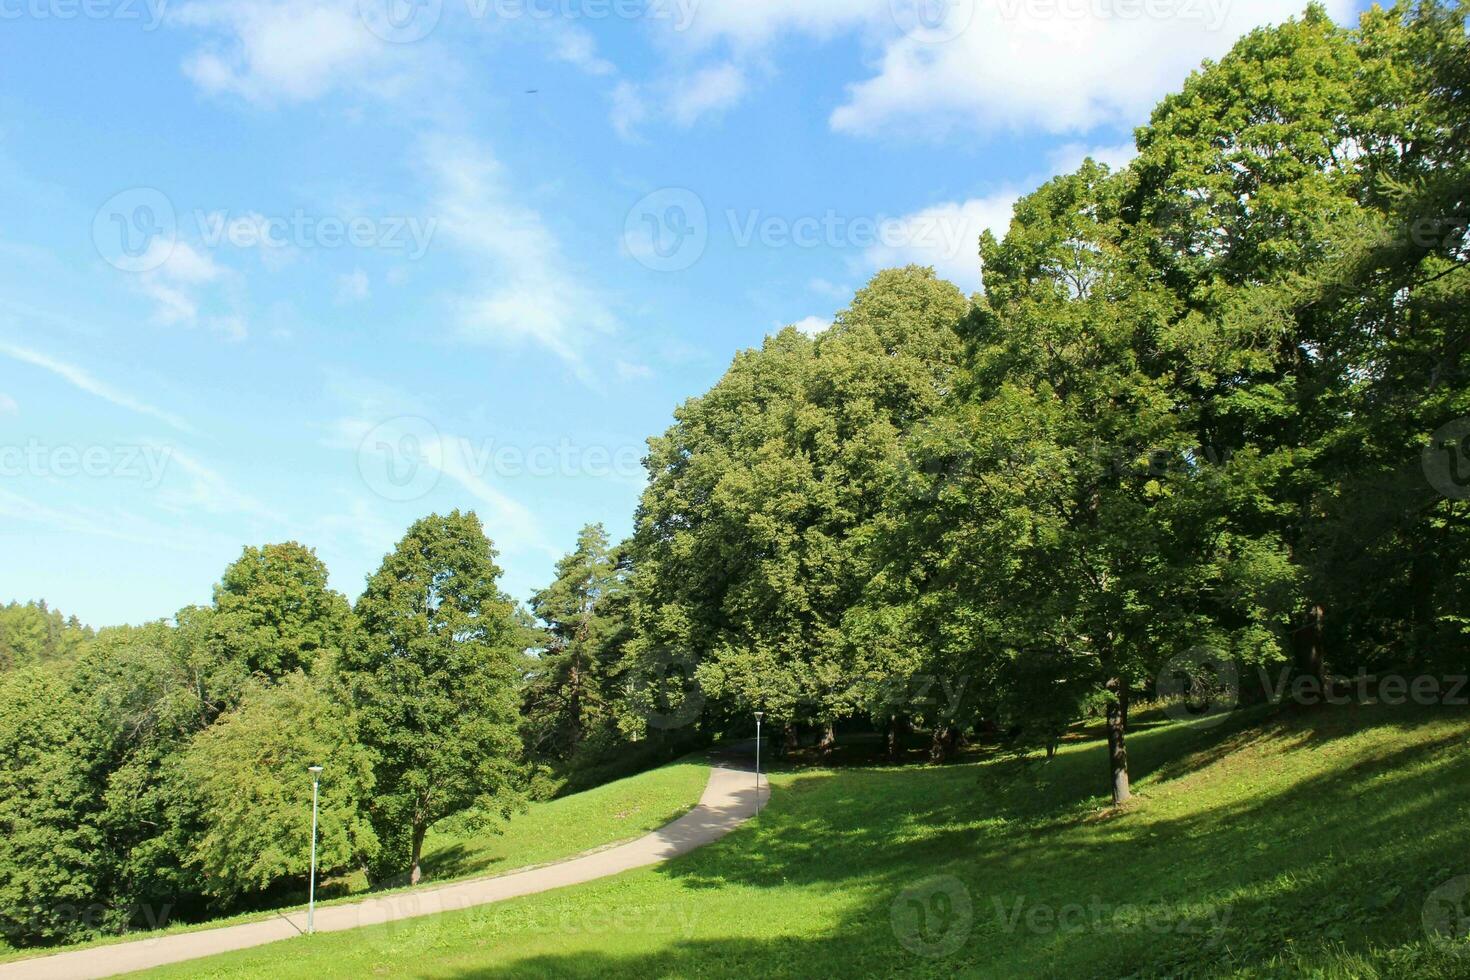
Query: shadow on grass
[[1266, 839]]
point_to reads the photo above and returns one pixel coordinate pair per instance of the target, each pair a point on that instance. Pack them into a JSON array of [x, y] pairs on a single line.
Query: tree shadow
[[1341, 858]]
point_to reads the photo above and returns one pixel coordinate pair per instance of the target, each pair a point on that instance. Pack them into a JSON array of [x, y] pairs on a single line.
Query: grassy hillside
[[1299, 844], [547, 831]]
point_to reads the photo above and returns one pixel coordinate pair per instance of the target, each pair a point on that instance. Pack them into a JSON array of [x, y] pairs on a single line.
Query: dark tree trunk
[[895, 735], [574, 707], [1117, 750], [943, 744], [790, 743], [829, 740], [416, 870], [1307, 642]]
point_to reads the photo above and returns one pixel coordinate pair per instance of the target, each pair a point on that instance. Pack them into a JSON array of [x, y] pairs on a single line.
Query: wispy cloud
[[80, 379], [537, 298]]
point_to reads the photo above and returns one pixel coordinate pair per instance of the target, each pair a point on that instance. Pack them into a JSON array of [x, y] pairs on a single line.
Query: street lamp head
[[760, 714], [315, 769]]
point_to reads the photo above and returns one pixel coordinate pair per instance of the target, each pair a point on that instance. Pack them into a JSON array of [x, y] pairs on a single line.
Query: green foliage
[[434, 684], [275, 614], [32, 633], [246, 776], [566, 704], [749, 551]]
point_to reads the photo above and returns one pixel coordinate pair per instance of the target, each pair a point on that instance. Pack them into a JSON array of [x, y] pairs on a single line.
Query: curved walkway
[[729, 800]]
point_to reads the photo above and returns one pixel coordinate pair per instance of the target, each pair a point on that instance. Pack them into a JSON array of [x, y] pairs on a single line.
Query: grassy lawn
[[1295, 844], [547, 831]]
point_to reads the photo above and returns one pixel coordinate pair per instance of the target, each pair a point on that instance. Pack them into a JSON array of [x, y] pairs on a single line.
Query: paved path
[[728, 801]]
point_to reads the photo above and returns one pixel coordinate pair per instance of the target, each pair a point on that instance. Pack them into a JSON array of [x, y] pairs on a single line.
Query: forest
[[1204, 435]]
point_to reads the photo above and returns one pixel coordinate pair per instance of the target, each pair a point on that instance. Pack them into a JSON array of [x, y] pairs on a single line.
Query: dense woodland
[[1204, 412]]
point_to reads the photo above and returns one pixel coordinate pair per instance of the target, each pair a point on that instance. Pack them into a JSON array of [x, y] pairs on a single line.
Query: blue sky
[[313, 269]]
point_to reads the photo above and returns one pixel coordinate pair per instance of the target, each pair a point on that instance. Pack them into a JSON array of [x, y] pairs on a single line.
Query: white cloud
[[577, 47], [177, 280], [712, 89], [466, 462], [8, 405], [832, 290], [1066, 159], [812, 325], [206, 490], [945, 236], [534, 297], [1052, 65], [353, 287], [1056, 66], [80, 379], [281, 50], [628, 371], [629, 110]]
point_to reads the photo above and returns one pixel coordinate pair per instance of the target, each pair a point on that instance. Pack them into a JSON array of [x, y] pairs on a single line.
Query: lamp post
[[316, 776], [758, 716]]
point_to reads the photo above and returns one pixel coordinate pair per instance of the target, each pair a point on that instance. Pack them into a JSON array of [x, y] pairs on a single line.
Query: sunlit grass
[[1298, 844]]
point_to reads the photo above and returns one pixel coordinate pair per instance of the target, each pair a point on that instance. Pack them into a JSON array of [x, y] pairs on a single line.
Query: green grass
[[560, 828], [548, 831], [1274, 845]]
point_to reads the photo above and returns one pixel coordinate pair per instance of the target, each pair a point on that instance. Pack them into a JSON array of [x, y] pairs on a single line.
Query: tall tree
[[566, 699], [434, 683]]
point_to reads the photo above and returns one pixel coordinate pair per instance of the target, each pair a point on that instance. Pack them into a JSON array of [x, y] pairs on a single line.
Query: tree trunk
[[895, 733], [1308, 643], [1117, 750], [829, 739], [574, 705], [416, 871], [944, 739], [789, 743]]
